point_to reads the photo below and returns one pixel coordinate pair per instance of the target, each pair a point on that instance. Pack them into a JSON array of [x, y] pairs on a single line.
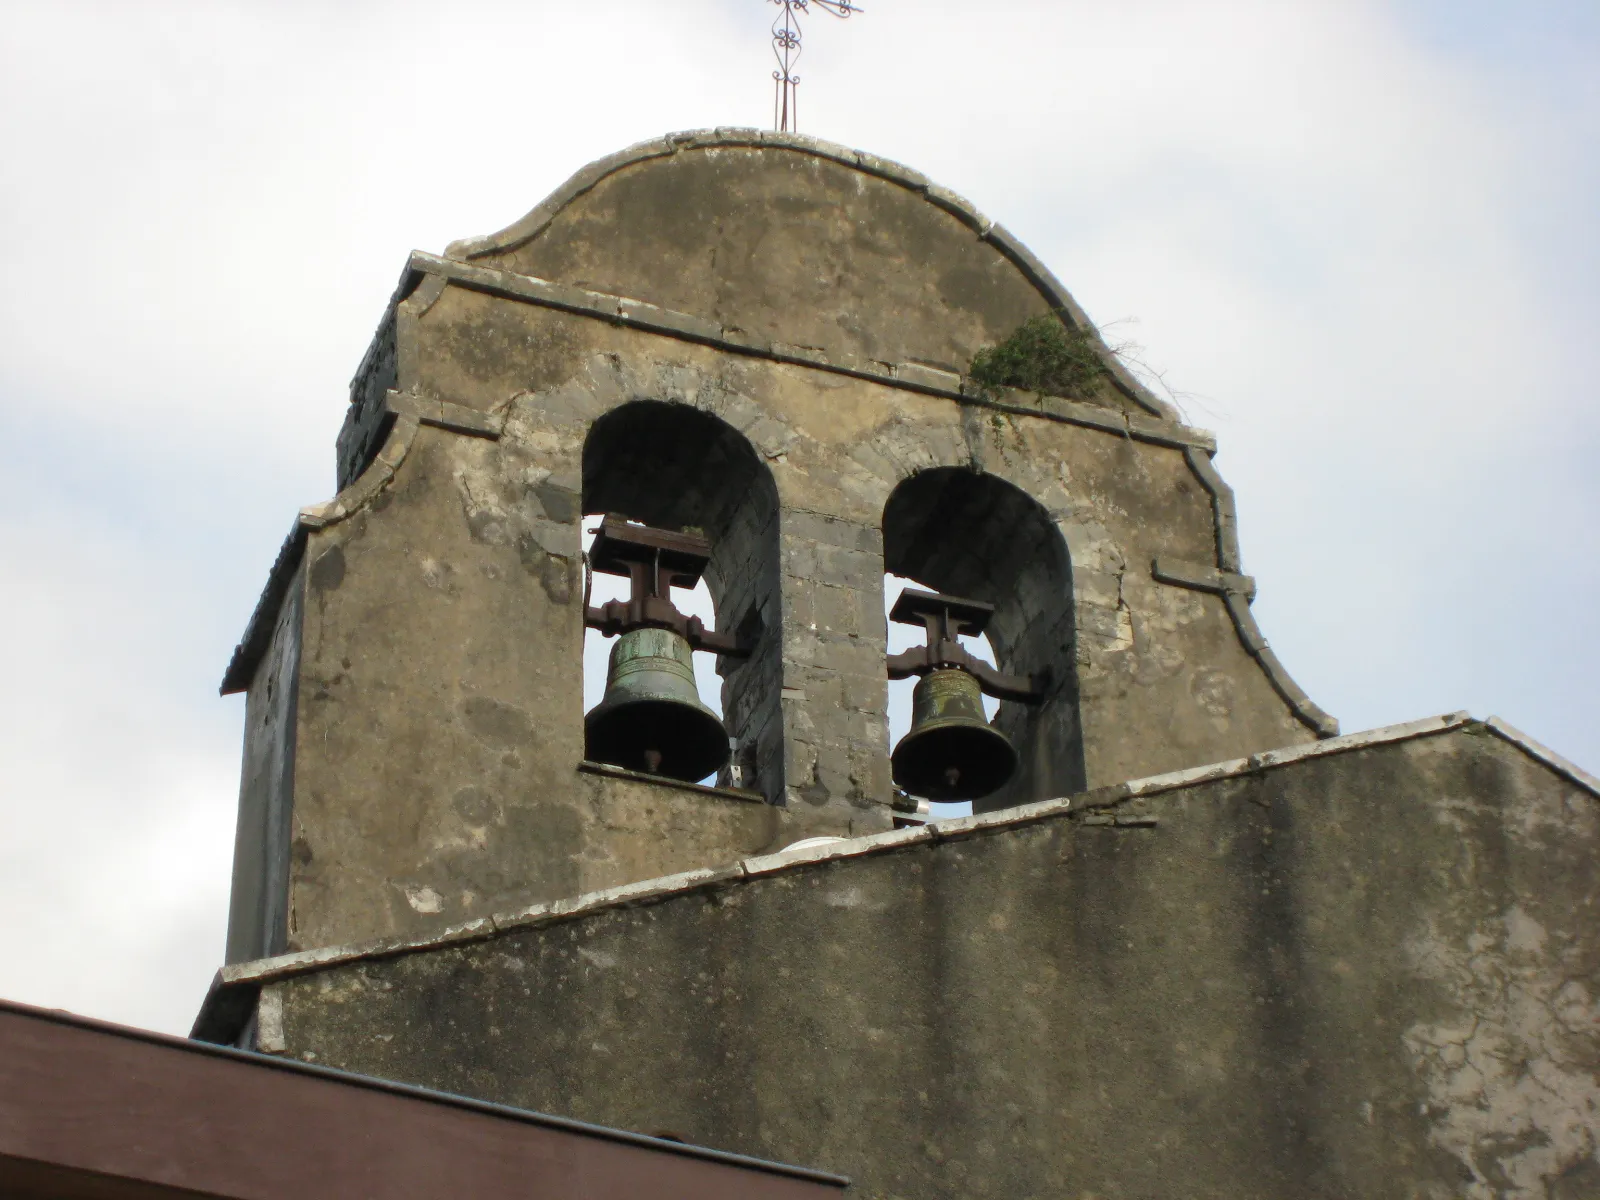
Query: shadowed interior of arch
[[674, 467], [970, 534]]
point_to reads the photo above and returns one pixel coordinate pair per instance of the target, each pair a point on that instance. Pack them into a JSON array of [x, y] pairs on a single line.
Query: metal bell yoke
[[652, 718], [952, 752]]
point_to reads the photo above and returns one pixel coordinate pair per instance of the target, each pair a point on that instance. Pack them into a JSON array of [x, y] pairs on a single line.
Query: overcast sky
[[1360, 239]]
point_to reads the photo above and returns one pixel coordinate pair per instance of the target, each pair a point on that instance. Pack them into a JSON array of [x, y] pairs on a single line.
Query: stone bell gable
[[1195, 944], [763, 338]]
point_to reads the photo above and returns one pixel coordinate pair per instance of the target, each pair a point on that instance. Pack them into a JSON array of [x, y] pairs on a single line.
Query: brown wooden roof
[[91, 1111]]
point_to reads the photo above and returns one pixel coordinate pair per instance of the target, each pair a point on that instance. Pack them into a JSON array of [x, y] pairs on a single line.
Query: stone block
[[831, 531], [864, 693]]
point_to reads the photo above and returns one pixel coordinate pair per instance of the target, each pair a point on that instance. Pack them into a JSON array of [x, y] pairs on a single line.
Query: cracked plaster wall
[[1510, 1060], [1364, 974]]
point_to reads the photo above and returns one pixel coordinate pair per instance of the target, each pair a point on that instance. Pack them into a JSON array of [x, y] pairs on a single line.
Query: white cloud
[[1368, 250], [116, 779]]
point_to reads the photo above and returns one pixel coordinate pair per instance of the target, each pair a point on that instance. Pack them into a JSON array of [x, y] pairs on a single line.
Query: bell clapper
[[652, 760]]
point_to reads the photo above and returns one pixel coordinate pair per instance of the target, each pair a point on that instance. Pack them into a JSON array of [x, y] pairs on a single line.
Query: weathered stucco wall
[[258, 907], [787, 246], [633, 824], [1368, 971], [440, 719], [439, 728]]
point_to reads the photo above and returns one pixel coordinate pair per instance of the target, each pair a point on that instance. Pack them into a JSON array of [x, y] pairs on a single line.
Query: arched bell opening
[[966, 534], [675, 468], [693, 602]]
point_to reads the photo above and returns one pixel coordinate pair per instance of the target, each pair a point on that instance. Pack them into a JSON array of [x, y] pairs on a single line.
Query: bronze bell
[[651, 718], [952, 752]]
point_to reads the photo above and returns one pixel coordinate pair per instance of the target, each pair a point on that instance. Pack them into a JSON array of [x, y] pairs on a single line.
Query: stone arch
[[968, 533], [675, 466]]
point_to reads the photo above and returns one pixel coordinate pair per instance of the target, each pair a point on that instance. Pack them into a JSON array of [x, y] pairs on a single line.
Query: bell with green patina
[[952, 752], [651, 718]]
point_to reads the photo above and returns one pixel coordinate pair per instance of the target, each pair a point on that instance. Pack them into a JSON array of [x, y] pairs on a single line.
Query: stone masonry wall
[[443, 636], [439, 729]]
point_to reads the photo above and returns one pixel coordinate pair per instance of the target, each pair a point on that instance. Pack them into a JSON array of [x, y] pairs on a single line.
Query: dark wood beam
[[90, 1111]]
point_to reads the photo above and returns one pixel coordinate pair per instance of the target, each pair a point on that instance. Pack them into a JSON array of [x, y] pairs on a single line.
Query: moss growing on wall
[[1044, 355]]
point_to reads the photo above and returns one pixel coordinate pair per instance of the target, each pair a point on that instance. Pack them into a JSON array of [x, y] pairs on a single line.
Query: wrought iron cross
[[786, 49]]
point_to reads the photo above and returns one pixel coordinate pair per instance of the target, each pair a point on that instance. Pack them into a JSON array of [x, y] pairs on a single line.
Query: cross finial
[[786, 49]]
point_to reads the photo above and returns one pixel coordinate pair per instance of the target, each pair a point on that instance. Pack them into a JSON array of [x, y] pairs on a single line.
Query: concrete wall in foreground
[[1368, 972]]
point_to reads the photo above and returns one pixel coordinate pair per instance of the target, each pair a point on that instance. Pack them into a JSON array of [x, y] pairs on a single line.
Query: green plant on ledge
[[1045, 354]]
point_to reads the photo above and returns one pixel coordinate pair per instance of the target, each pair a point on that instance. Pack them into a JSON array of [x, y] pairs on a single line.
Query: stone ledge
[[1201, 577], [1561, 766], [457, 418], [637, 314], [617, 897], [743, 795], [1223, 508]]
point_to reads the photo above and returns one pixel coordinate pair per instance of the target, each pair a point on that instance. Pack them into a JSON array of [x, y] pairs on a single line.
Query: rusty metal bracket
[[654, 561], [946, 618]]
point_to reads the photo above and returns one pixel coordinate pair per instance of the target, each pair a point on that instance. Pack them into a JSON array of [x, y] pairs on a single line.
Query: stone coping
[[742, 795], [227, 1006]]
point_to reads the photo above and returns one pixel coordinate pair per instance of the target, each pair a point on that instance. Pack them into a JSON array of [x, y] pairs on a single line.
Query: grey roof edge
[[404, 286], [1268, 759], [251, 976], [1535, 749], [257, 635], [537, 219], [351, 499]]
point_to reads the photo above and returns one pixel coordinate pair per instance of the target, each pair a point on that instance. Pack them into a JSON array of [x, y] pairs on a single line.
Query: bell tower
[[752, 352], [1188, 933]]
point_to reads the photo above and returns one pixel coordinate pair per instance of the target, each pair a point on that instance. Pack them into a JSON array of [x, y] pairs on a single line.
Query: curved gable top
[[794, 240]]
